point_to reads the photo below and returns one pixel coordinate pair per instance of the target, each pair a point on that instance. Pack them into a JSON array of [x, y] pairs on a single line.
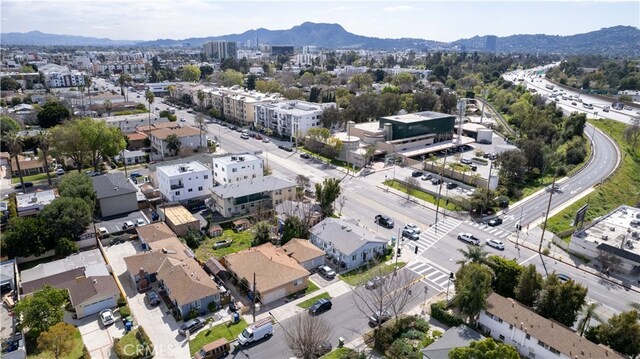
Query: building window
[[297, 282], [501, 337], [510, 326], [197, 304], [234, 170], [199, 188], [353, 258], [206, 176], [177, 193], [190, 190], [528, 336]]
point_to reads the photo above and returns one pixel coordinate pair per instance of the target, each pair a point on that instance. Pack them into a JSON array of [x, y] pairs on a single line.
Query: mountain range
[[617, 40]]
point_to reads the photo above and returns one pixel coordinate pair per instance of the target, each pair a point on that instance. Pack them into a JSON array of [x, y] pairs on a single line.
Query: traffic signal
[[518, 226], [416, 250]]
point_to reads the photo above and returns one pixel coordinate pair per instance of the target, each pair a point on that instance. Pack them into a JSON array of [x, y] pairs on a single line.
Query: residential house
[[154, 232], [85, 276], [277, 274], [184, 181], [29, 166], [132, 157], [304, 252], [190, 139], [115, 193], [180, 220], [309, 213], [347, 244], [248, 196], [234, 168], [180, 277], [290, 118], [534, 336], [30, 204], [146, 129], [455, 337], [135, 140]]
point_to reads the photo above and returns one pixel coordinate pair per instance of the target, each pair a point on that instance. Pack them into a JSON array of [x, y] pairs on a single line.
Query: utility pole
[[446, 152], [519, 226], [546, 216], [253, 298]]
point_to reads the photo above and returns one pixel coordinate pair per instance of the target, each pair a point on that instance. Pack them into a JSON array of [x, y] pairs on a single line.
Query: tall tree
[[588, 313], [26, 236], [190, 73], [200, 122], [78, 185], [528, 286], [42, 309], [14, 142], [621, 333], [108, 106], [306, 334], [506, 273], [326, 193], [485, 349], [124, 80], [52, 113], [330, 116], [88, 82], [150, 97], [561, 301], [67, 217], [474, 254], [473, 284], [201, 96], [59, 339], [293, 228], [173, 143], [44, 144]]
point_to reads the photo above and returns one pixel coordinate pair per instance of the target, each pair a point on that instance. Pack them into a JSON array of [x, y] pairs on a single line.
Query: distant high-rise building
[[281, 50], [220, 50], [490, 45]]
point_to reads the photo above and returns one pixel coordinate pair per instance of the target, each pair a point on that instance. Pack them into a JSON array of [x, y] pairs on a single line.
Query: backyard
[[240, 241]]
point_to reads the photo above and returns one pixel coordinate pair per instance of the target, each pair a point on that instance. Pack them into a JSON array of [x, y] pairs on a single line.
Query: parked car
[[436, 181], [106, 317], [258, 137], [416, 173], [495, 244], [563, 277], [152, 297], [322, 349], [426, 177], [495, 222], [379, 317], [140, 222], [451, 185], [383, 220], [127, 224], [374, 282], [256, 331], [305, 155], [469, 238], [412, 226], [466, 161], [217, 349], [26, 185], [265, 139], [244, 136], [411, 234], [191, 325], [286, 148], [321, 306], [59, 171], [326, 272]]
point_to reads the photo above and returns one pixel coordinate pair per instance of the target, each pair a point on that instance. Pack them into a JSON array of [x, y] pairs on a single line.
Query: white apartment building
[[184, 181], [534, 336], [31, 204], [290, 118], [234, 168], [128, 123], [60, 76], [129, 67], [235, 103]]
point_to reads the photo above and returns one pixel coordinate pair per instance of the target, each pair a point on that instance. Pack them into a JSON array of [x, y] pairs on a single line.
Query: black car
[[384, 221], [152, 297], [286, 148], [495, 222], [305, 155], [416, 173], [192, 325], [451, 185], [322, 305], [26, 185], [436, 181]]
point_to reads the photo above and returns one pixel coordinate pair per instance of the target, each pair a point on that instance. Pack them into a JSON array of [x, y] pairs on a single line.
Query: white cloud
[[342, 8], [398, 8]]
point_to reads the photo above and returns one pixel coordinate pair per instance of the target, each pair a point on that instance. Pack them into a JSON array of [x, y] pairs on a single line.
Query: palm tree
[[124, 80], [200, 123], [589, 312], [150, 98], [88, 82], [14, 142], [172, 90], [474, 254], [44, 143], [108, 106], [81, 89], [201, 97]]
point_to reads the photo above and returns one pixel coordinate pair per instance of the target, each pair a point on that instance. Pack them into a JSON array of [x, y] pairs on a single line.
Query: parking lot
[[156, 321], [115, 224]]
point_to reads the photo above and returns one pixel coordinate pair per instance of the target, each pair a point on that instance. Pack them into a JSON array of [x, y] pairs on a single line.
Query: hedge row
[[439, 312]]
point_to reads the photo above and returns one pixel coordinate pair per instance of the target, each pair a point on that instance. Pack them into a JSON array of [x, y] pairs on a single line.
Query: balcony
[[177, 185]]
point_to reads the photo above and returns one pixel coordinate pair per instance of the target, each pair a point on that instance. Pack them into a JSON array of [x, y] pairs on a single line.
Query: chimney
[[141, 271]]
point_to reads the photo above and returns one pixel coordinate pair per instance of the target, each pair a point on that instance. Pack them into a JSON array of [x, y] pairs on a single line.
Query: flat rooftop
[[182, 168], [179, 215], [243, 157], [619, 229], [417, 117], [42, 198]]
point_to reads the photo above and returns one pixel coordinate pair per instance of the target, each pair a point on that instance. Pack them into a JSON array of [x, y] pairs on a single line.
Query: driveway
[[156, 321], [97, 338]]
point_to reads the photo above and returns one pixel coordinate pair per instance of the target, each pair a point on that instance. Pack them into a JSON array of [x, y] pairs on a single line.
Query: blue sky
[[433, 20]]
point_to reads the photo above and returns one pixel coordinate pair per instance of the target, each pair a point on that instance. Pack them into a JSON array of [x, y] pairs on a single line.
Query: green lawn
[[621, 188], [309, 302], [359, 276], [333, 161], [311, 288], [225, 330], [33, 178], [423, 195], [339, 353], [76, 352], [241, 241]]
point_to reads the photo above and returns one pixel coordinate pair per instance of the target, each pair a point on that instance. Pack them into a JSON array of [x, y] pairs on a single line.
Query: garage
[[95, 307], [274, 295]]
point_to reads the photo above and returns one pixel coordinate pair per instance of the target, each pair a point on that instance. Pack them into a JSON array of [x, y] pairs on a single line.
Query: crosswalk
[[430, 236], [494, 231], [431, 275]]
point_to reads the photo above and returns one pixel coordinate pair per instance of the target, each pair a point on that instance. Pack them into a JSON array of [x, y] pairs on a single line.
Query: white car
[[127, 224], [469, 238], [495, 244], [106, 317], [413, 227], [265, 139], [140, 222], [103, 231]]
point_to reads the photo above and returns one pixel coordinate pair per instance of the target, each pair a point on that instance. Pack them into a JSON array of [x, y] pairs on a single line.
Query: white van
[[256, 331]]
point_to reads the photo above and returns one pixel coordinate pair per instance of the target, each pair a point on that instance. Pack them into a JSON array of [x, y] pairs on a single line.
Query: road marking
[[528, 259], [575, 190]]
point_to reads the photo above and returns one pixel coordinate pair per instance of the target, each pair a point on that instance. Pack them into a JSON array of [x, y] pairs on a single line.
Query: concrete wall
[[118, 205]]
